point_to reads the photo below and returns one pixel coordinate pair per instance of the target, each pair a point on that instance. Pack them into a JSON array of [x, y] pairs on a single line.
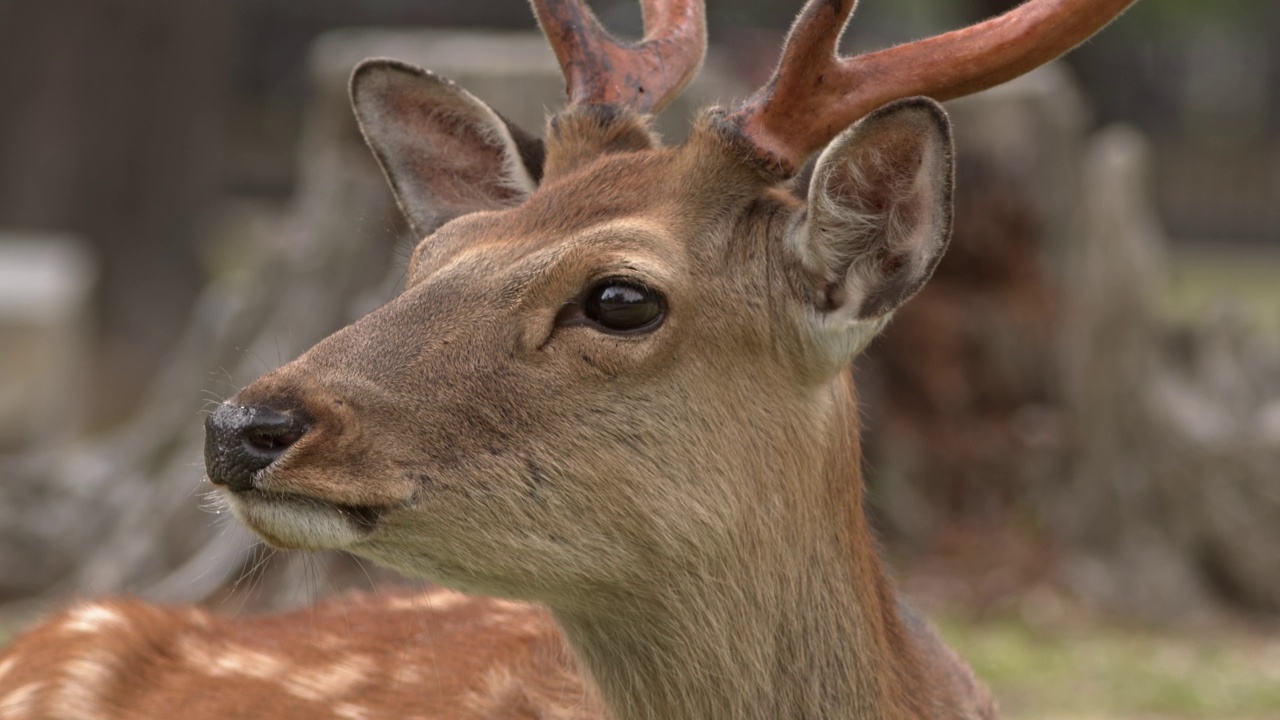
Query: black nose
[[239, 441]]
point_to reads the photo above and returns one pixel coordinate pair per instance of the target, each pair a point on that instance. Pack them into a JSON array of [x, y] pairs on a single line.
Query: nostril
[[270, 440], [240, 441]]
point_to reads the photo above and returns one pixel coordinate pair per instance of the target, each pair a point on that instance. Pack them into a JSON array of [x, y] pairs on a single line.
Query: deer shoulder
[[393, 654]]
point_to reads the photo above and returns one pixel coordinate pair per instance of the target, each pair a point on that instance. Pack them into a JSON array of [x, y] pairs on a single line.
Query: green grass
[[1098, 671]]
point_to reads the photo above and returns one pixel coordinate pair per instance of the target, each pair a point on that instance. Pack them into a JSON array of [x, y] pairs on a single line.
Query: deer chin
[[298, 522]]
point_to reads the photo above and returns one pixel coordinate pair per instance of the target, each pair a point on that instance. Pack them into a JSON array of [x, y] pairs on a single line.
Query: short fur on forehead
[[580, 134]]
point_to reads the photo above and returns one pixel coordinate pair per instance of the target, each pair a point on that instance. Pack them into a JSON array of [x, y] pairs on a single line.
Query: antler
[[645, 76], [814, 93]]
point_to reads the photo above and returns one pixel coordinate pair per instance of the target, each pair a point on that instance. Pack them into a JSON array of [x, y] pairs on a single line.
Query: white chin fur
[[295, 524]]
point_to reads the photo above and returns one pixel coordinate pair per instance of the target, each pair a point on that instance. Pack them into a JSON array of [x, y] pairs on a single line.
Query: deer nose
[[240, 441]]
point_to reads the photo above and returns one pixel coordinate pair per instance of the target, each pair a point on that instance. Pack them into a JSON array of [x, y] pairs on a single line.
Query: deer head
[[615, 382]]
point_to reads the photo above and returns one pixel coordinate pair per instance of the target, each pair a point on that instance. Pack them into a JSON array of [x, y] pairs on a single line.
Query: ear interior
[[880, 210], [444, 152]]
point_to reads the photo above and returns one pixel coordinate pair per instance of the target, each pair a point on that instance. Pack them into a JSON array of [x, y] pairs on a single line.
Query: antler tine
[[814, 94], [646, 75]]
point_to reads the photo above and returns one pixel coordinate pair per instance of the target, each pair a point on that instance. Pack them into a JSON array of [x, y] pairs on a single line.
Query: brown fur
[[687, 502], [386, 657]]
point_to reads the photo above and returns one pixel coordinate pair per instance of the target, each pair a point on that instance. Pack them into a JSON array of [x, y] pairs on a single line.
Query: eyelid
[[618, 278]]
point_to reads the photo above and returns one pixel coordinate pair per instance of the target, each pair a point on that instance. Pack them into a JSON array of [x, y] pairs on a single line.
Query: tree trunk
[[112, 127]]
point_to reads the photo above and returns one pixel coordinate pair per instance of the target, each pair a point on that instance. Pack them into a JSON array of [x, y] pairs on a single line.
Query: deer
[[611, 414]]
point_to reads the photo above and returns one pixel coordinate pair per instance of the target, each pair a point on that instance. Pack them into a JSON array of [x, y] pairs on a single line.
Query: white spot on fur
[[434, 600], [198, 617], [6, 666], [445, 599], [348, 711], [509, 605], [242, 661], [407, 675], [79, 696], [332, 643], [230, 661], [331, 681], [19, 702], [195, 653], [93, 618], [512, 615]]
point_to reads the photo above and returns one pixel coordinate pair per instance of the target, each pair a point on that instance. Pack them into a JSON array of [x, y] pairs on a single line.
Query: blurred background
[[1073, 433]]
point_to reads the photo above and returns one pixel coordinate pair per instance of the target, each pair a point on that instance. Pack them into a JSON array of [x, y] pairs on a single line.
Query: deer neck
[[803, 624]]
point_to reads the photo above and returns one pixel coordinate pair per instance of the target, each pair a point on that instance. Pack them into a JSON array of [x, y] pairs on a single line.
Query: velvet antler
[[814, 94], [644, 76]]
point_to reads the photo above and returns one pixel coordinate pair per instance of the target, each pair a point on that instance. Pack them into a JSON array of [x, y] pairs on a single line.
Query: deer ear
[[444, 152], [879, 216]]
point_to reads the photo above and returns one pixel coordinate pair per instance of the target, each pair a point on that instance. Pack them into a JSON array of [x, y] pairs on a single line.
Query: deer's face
[[591, 381]]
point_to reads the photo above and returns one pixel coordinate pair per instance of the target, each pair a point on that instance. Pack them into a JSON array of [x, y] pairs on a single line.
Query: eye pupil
[[623, 306]]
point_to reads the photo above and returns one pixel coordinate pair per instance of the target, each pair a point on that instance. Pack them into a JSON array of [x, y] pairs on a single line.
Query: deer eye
[[623, 306]]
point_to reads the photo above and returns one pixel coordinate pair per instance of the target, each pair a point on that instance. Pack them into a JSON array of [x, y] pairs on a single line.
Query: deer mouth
[[300, 522]]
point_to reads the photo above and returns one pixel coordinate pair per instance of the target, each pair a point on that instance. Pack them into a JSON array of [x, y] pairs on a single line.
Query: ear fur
[[444, 152], [879, 216]]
